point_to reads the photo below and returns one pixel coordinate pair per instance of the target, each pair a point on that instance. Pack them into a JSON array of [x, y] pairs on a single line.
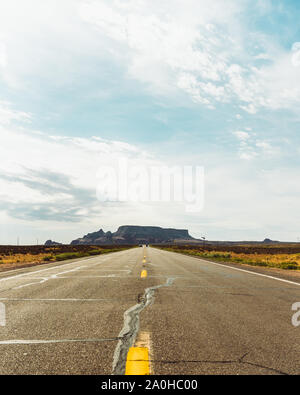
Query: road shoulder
[[288, 275]]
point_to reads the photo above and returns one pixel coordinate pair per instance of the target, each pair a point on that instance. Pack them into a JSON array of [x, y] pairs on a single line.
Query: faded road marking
[[53, 276], [144, 340], [2, 314], [58, 266], [27, 285], [144, 274]]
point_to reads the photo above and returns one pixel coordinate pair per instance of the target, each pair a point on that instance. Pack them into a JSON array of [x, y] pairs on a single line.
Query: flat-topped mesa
[[129, 234]]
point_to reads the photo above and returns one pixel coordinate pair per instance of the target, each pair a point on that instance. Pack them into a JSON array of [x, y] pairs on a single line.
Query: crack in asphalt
[[224, 362], [130, 329], [15, 341]]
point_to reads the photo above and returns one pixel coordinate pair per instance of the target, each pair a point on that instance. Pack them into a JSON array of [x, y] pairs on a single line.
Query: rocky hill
[[50, 243], [134, 235]]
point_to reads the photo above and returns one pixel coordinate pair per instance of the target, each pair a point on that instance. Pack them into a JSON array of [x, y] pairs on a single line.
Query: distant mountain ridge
[[129, 234]]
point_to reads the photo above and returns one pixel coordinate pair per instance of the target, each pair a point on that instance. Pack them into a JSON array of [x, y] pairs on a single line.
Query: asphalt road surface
[[194, 317]]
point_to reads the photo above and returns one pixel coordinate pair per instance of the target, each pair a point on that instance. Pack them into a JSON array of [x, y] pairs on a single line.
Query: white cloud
[[251, 109], [44, 42], [190, 47], [296, 54], [263, 56], [3, 55], [54, 177], [267, 148], [251, 148], [8, 114], [168, 48], [195, 47], [249, 203], [76, 158], [248, 155], [242, 135]]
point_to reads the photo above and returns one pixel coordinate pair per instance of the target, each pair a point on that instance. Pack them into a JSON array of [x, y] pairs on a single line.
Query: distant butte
[[129, 234]]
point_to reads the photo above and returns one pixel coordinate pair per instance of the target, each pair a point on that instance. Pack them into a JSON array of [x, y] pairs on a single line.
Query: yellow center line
[[137, 362], [144, 274]]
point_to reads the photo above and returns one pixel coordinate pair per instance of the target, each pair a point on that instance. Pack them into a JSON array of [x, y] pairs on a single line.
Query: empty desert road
[[195, 317]]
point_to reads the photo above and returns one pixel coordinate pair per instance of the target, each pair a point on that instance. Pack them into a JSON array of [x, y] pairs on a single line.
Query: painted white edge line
[[49, 263], [240, 270], [60, 265], [49, 268], [105, 257]]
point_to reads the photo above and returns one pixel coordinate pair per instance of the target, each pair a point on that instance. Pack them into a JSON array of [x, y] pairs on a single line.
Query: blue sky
[[200, 83]]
